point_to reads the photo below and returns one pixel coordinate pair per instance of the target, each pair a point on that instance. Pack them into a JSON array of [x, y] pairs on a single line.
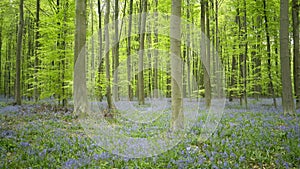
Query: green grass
[[252, 139]]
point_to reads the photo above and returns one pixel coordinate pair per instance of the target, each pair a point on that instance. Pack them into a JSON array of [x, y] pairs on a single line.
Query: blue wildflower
[[241, 159], [7, 133], [24, 144], [71, 163]]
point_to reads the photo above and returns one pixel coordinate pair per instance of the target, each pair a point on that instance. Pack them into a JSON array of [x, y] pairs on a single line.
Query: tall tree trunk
[[176, 67], [241, 57], [188, 53], [271, 86], [295, 15], [19, 54], [107, 64], [155, 84], [80, 89], [149, 54], [101, 59], [232, 77], [130, 91], [245, 55], [93, 40], [64, 47], [204, 56], [257, 59], [37, 45], [141, 54], [116, 53], [207, 82], [287, 97], [1, 70]]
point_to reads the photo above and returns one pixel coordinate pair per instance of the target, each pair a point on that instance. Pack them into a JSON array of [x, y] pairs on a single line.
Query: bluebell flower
[[241, 159], [232, 155], [70, 163], [96, 157], [43, 153], [286, 164], [214, 166], [201, 160], [8, 133], [24, 144], [104, 155]]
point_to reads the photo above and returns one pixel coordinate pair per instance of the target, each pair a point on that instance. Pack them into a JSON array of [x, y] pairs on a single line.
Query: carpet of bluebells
[[45, 136]]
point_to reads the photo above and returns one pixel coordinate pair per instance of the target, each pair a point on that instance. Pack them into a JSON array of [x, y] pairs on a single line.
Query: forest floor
[[45, 136]]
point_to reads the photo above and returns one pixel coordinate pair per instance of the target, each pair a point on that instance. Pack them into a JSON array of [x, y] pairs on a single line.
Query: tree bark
[[271, 86], [37, 45], [107, 64], [287, 97], [295, 15], [141, 54], [130, 91], [155, 84], [245, 55], [19, 54], [1, 70], [80, 89], [101, 59], [176, 67], [116, 53], [204, 56]]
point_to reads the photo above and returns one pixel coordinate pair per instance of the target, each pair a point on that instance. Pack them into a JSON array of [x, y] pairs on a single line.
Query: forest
[[149, 84]]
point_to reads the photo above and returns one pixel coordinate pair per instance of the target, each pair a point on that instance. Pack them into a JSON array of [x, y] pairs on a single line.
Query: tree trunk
[[37, 45], [207, 82], [295, 12], [19, 54], [204, 56], [155, 84], [149, 54], [287, 97], [176, 67], [101, 59], [64, 63], [245, 56], [141, 54], [80, 89], [116, 53], [271, 86], [107, 64], [129, 79], [1, 70], [93, 40]]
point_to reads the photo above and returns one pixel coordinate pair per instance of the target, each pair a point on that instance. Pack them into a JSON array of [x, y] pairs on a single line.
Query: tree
[[295, 15], [245, 55], [116, 53], [100, 66], [141, 95], [271, 88], [19, 54], [80, 39], [205, 54], [287, 97], [155, 83], [37, 44], [176, 67], [107, 64], [130, 94]]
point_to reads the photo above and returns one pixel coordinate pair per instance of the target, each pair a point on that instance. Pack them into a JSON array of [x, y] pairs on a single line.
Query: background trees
[[244, 33]]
